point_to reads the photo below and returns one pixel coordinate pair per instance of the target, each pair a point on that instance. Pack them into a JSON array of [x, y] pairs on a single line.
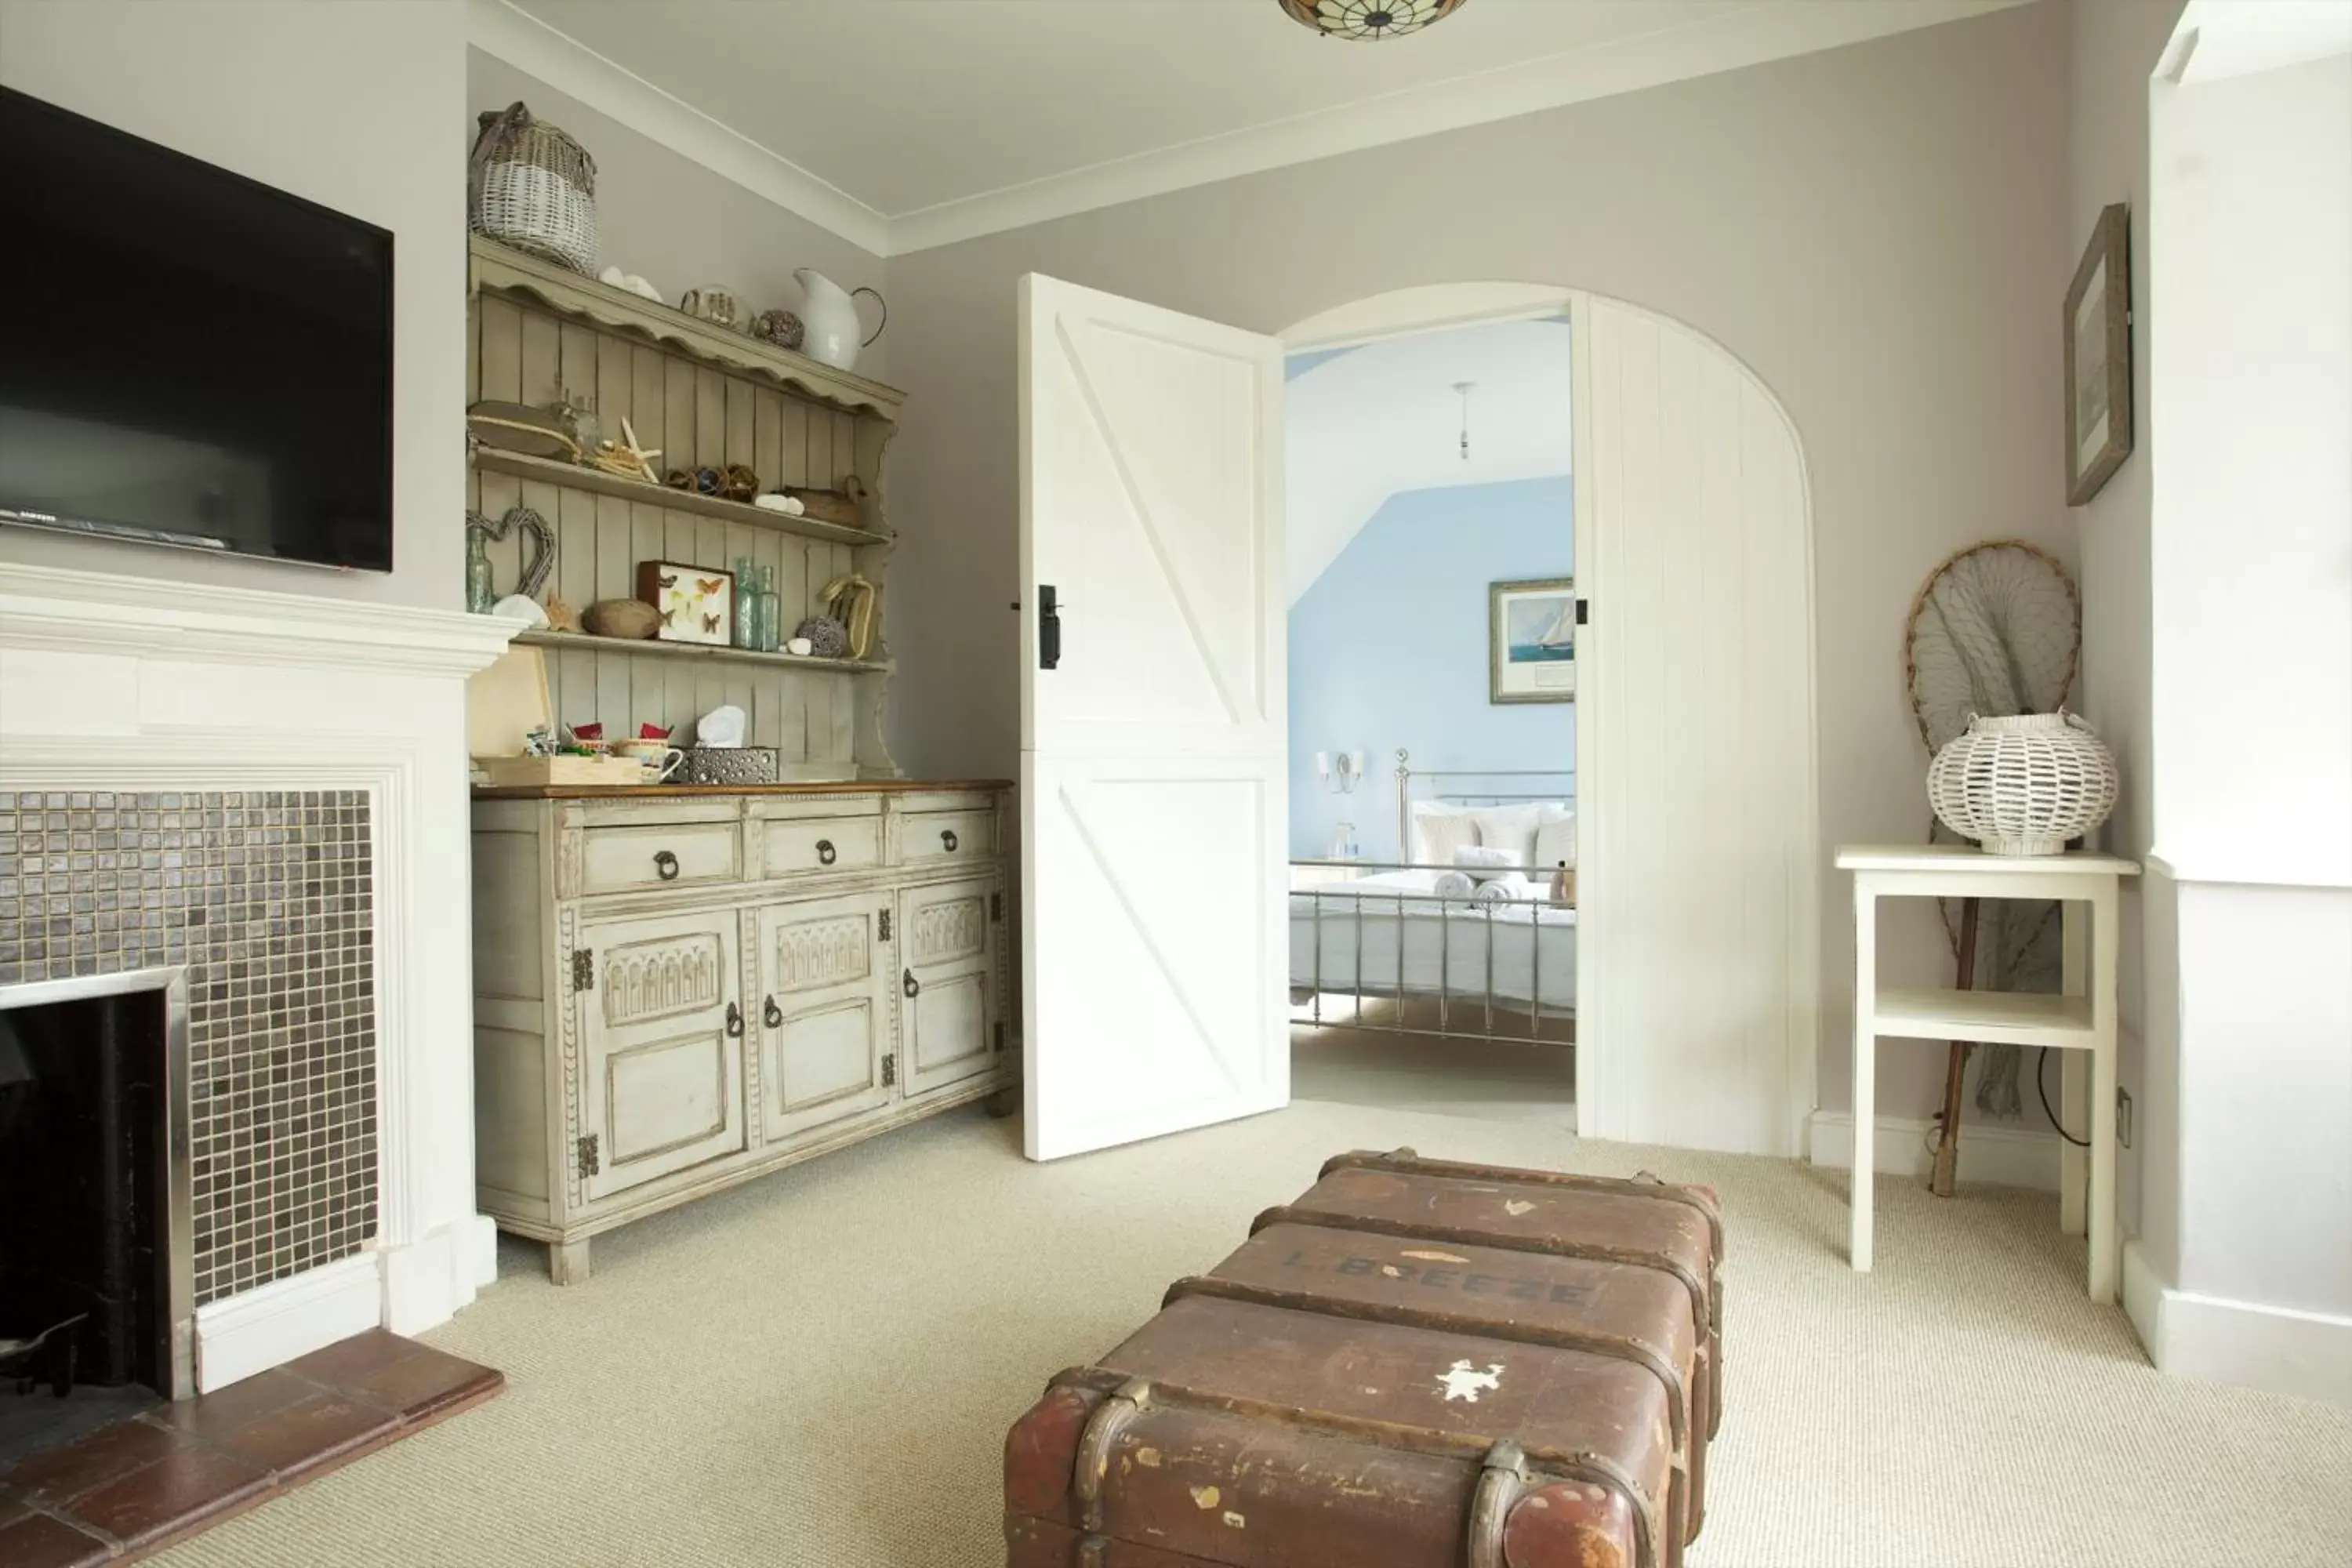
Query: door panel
[[949, 1007], [662, 1075], [823, 1010], [1153, 799], [1695, 714]]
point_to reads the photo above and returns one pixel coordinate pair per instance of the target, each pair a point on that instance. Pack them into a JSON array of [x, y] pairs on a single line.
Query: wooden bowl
[[631, 618]]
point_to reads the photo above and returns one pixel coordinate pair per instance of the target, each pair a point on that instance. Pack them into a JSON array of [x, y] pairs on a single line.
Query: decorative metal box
[[728, 765]]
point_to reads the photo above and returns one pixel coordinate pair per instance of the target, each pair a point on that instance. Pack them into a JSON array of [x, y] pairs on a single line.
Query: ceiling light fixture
[[1466, 388], [1369, 19]]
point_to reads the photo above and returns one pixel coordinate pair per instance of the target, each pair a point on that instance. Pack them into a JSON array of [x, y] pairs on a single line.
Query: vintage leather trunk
[[1417, 1364]]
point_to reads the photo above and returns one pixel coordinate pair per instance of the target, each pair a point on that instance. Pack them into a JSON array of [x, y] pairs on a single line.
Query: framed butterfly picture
[[696, 603]]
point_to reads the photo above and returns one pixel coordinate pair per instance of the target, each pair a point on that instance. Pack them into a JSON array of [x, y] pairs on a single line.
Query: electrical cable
[[2042, 1087]]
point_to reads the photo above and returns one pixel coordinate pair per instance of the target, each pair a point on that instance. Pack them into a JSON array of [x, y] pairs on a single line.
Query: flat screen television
[[186, 356]]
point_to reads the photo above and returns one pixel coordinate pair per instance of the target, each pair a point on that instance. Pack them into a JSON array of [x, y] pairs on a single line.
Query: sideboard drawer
[[795, 845], [936, 836], [665, 854]]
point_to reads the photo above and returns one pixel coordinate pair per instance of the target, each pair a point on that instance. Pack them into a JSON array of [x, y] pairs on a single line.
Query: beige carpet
[[818, 1370], [1489, 1080]]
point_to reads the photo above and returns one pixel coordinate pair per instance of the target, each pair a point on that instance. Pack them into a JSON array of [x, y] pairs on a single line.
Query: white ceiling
[[2214, 41], [901, 124], [1366, 423]]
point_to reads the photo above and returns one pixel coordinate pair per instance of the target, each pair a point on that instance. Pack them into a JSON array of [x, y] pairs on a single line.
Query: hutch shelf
[[678, 988], [704, 396]]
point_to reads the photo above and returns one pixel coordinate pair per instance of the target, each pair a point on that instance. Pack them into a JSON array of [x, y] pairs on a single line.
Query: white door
[[1699, 872], [1152, 795]]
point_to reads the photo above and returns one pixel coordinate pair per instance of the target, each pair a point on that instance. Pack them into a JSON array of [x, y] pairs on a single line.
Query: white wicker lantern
[[2023, 786]]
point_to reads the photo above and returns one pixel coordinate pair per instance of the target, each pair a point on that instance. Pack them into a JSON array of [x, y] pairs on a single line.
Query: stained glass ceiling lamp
[[1369, 19]]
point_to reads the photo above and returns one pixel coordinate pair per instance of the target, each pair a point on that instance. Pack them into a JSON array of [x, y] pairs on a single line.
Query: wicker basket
[[533, 187], [2023, 786]]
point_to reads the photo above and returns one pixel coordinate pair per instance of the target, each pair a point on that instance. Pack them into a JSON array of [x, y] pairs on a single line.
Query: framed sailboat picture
[[1531, 641]]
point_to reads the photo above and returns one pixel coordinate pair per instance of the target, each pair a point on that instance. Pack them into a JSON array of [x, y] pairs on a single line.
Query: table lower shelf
[[1991, 1017]]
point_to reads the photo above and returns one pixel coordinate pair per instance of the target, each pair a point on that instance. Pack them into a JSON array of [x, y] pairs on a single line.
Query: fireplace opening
[[94, 1291]]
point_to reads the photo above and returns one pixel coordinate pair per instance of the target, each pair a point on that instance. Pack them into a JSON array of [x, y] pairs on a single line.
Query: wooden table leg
[[2104, 928], [1865, 1068], [567, 1261], [2074, 1070]]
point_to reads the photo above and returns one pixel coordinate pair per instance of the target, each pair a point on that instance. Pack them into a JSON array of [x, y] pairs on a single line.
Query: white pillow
[[1438, 830], [1556, 843], [1513, 828]]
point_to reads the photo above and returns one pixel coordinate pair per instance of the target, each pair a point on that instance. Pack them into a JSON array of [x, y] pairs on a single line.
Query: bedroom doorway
[[1155, 858], [1432, 590]]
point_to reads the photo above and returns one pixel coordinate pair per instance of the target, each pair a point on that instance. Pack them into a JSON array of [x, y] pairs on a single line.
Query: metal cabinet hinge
[[890, 1070], [590, 1157], [1000, 1036], [883, 934], [583, 968], [1583, 611], [996, 908]]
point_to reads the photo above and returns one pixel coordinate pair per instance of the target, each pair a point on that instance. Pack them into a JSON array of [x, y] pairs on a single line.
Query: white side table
[[2079, 1021]]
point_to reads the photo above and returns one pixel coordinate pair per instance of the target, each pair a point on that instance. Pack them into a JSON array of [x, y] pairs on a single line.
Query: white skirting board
[[268, 1326], [2249, 1344], [1997, 1155]]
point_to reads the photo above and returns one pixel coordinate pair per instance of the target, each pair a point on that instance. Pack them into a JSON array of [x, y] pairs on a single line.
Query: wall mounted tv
[[187, 357]]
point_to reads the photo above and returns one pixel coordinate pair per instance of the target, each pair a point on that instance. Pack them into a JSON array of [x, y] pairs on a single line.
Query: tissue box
[[728, 765]]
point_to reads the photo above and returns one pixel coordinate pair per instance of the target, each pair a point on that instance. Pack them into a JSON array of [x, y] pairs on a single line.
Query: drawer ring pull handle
[[914, 988], [665, 865], [772, 1016], [824, 852], [948, 839], [734, 1022]]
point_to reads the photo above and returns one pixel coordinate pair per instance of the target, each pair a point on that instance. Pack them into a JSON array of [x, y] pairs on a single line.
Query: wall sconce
[[1339, 771]]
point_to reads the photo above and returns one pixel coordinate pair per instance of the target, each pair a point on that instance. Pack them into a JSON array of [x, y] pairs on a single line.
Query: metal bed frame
[[1425, 1011]]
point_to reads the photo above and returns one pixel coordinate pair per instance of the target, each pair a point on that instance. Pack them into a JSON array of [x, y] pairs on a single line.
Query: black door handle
[[1049, 627], [825, 852], [914, 988], [948, 839], [734, 1022], [772, 1016], [665, 865]]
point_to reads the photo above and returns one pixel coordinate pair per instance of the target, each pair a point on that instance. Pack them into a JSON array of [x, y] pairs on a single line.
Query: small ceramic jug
[[829, 318]]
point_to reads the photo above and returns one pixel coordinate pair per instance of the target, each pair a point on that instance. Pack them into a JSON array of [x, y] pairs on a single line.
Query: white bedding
[[1405, 938]]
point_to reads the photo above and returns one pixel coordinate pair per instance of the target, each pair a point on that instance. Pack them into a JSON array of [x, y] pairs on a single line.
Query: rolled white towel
[[1510, 887], [1484, 862], [1453, 885]]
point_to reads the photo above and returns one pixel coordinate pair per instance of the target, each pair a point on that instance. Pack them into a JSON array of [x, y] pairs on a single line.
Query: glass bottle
[[746, 631], [771, 612], [478, 598]]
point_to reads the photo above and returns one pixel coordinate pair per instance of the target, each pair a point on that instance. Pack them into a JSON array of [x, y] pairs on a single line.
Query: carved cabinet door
[[948, 982], [660, 1076], [821, 1019]]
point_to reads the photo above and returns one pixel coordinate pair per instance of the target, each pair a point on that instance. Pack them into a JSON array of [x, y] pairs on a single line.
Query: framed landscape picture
[[2099, 358], [1531, 641]]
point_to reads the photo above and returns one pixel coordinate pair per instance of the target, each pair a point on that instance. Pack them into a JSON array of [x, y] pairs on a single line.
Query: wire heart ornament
[[540, 562]]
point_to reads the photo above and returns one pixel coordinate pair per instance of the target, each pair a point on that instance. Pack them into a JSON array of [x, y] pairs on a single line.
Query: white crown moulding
[[1726, 41]]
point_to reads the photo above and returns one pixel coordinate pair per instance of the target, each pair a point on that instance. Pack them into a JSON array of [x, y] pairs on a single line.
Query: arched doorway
[[1699, 879]]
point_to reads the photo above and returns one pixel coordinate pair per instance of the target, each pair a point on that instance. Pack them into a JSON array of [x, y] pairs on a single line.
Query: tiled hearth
[[264, 897], [138, 1485]]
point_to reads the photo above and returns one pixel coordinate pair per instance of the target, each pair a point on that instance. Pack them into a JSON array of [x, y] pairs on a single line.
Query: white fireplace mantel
[[124, 683]]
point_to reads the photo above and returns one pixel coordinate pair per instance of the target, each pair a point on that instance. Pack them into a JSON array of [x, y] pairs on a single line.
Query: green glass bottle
[[478, 598]]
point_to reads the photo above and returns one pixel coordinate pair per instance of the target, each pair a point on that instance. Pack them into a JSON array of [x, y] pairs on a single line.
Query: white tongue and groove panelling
[[1699, 974], [698, 417]]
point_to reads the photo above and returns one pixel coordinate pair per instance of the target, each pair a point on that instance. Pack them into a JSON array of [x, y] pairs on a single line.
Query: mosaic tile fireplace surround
[[266, 898]]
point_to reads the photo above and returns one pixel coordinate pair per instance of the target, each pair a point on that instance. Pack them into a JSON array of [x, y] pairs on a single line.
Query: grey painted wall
[[1878, 231]]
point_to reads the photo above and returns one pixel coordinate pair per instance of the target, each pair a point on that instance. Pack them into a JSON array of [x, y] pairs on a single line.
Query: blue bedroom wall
[[1388, 649]]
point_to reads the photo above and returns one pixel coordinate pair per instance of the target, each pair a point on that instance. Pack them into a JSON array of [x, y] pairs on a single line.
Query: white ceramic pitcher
[[831, 316]]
